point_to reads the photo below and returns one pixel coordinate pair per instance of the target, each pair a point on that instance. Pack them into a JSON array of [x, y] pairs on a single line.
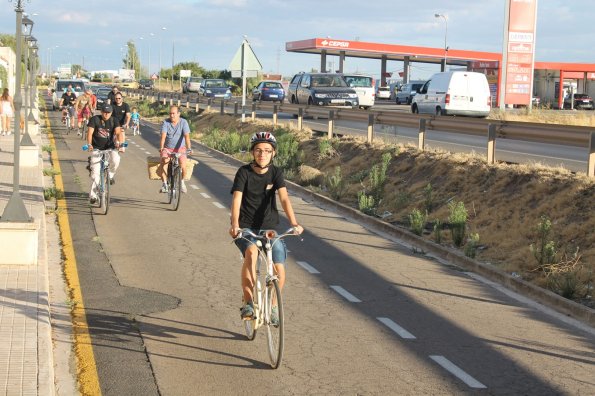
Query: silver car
[[192, 84]]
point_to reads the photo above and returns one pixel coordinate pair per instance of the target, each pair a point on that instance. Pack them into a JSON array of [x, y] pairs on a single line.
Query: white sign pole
[[243, 81]]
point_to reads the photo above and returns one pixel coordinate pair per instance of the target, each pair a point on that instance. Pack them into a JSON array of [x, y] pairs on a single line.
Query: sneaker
[[112, 181], [247, 311], [164, 188], [184, 190], [93, 200], [275, 316]]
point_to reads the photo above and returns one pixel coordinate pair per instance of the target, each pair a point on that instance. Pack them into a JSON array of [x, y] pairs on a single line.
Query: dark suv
[[321, 89], [145, 83], [581, 102]]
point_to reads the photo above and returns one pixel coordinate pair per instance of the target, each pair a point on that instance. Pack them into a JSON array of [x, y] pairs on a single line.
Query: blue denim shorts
[[279, 248]]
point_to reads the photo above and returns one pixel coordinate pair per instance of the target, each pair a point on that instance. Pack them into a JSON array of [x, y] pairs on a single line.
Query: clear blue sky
[[210, 31]]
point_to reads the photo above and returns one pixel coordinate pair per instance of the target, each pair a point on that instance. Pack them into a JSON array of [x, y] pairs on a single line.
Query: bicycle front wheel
[[176, 188], [274, 323], [104, 193]]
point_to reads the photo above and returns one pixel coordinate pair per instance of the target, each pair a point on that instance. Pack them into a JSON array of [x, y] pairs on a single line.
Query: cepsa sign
[[335, 44]]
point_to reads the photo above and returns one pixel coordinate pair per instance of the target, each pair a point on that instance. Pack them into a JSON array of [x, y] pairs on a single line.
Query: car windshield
[[383, 89], [359, 81], [103, 92], [328, 81], [215, 84], [78, 86], [416, 87], [272, 85], [581, 96], [194, 79]]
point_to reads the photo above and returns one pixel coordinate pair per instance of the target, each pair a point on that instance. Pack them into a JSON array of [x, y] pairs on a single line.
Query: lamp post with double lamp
[[50, 51], [30, 41], [443, 68], [15, 210]]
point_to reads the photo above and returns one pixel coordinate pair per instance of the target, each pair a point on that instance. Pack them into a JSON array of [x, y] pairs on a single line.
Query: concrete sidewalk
[[26, 363]]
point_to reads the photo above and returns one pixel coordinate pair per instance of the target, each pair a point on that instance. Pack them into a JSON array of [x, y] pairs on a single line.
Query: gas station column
[[405, 70], [341, 61], [323, 61], [443, 65], [383, 71]]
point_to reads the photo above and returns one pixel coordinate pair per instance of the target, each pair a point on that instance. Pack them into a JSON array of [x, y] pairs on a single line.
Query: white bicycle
[[266, 294]]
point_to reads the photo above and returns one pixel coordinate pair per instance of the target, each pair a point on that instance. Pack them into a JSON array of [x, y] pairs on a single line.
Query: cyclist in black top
[[254, 206], [104, 133], [68, 98]]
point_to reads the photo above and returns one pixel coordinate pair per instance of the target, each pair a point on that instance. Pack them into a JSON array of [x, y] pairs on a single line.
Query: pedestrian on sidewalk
[[6, 112]]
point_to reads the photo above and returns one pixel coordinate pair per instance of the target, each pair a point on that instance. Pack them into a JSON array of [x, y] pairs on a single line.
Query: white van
[[364, 87], [454, 93]]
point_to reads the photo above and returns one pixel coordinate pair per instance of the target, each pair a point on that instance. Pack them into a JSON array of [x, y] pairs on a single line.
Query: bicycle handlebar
[[86, 147], [269, 234]]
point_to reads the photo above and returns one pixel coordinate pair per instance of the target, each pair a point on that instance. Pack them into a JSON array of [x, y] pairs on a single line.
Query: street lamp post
[[445, 36], [15, 210], [160, 36], [31, 41]]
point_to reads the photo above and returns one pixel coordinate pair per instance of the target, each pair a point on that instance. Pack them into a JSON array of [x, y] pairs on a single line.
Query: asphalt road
[[364, 315]]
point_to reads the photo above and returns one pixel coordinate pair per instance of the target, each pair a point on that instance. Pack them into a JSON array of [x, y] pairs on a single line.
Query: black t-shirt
[[120, 112], [103, 132], [68, 99], [259, 207], [112, 96]]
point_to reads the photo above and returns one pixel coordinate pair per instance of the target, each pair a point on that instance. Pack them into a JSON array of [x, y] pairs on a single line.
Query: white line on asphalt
[[308, 267], [457, 372], [396, 328], [205, 195], [148, 153], [348, 296], [217, 204], [194, 187]]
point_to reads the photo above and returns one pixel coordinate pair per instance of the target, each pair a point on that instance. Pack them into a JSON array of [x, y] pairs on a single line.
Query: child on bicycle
[[254, 206], [135, 118]]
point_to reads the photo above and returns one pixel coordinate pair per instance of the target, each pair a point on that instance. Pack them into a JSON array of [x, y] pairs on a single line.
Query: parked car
[[60, 87], [581, 102], [407, 91], [101, 95], [214, 88], [128, 83], [454, 93], [192, 84], [383, 93], [146, 83], [364, 87], [321, 89], [269, 90]]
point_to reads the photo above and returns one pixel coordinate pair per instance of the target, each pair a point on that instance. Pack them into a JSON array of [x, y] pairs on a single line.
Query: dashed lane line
[[457, 372], [396, 328], [205, 195], [194, 187], [348, 296], [308, 267], [217, 204]]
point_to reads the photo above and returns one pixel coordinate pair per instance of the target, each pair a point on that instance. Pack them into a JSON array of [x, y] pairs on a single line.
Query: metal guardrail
[[564, 135]]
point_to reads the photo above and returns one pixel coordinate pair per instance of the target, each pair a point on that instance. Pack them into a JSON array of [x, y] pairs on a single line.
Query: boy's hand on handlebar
[[234, 232], [298, 229]]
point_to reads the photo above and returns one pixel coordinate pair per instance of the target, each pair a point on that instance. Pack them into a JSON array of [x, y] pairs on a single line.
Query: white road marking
[[457, 372], [147, 152], [217, 204], [194, 187], [348, 296], [205, 195], [308, 267], [396, 328]]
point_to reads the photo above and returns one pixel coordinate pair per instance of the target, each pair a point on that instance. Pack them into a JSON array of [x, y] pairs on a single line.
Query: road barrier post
[[492, 143], [275, 114], [370, 127], [591, 164], [421, 138], [209, 103], [235, 109], [187, 103], [179, 103], [253, 111], [300, 124], [196, 107], [164, 100], [222, 107], [171, 101], [331, 123]]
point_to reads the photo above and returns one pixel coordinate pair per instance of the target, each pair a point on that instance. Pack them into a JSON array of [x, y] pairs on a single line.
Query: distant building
[[8, 62]]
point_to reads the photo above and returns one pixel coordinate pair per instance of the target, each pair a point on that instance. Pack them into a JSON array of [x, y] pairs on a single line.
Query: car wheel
[[408, 101], [397, 101], [439, 112], [414, 109], [310, 101], [293, 100]]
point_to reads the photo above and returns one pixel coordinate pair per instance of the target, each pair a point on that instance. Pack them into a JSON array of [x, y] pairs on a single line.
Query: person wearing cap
[[104, 133], [254, 206]]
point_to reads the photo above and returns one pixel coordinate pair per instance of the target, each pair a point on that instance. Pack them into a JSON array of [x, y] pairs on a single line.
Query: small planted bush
[[471, 246], [458, 222], [544, 250], [417, 221], [366, 203], [335, 185]]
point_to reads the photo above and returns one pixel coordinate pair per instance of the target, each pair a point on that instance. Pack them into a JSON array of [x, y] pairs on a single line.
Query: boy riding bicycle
[[254, 206], [135, 118]]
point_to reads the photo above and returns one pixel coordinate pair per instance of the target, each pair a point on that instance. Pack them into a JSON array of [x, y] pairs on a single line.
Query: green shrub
[[544, 250], [438, 231], [417, 221], [288, 155], [50, 172], [366, 203], [52, 192], [378, 176], [47, 148], [471, 246], [326, 149], [428, 198], [335, 185], [458, 222]]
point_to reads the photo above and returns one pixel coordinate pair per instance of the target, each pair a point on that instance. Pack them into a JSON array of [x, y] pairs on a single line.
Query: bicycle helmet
[[263, 137]]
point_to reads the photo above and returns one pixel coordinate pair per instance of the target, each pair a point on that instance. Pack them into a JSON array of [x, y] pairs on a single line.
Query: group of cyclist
[[254, 189]]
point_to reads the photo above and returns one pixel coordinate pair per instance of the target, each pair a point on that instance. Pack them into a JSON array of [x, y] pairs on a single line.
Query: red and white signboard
[[520, 51]]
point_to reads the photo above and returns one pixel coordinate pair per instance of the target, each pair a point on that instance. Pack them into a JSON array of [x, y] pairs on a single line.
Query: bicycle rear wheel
[[275, 332], [176, 188], [104, 192]]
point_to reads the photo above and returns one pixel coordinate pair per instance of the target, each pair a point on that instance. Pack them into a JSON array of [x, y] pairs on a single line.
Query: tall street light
[[140, 58], [160, 35], [443, 68], [15, 210]]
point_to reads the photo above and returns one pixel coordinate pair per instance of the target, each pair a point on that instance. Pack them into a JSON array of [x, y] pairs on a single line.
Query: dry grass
[[576, 117]]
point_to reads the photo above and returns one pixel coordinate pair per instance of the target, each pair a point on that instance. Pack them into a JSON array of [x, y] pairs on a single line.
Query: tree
[[132, 60], [78, 70]]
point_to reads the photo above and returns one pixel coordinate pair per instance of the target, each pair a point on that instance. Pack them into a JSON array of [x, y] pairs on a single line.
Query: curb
[[543, 296]]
